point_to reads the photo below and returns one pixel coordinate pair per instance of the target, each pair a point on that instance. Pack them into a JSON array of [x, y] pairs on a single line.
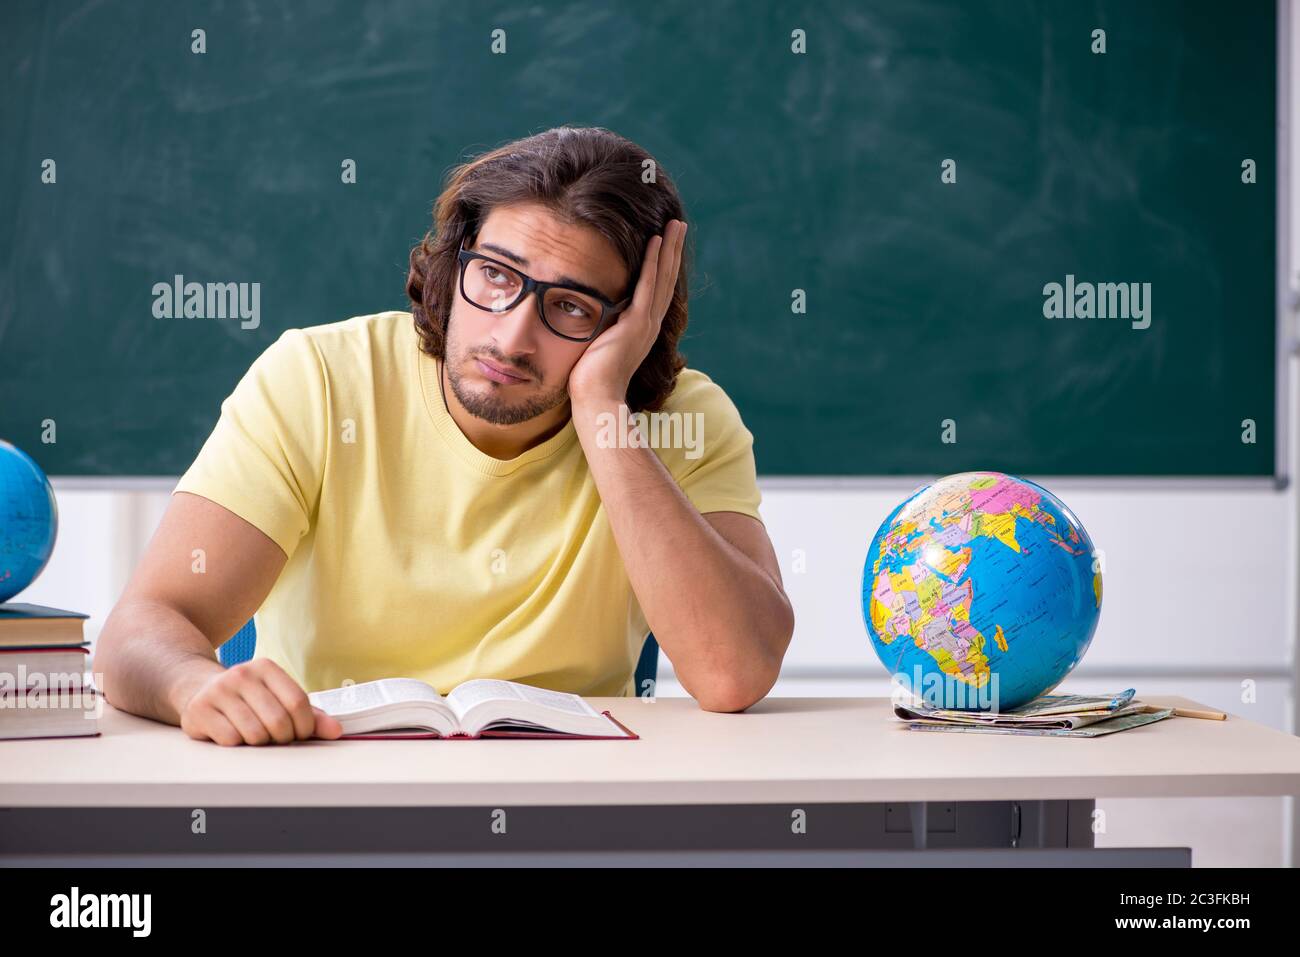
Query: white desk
[[696, 781]]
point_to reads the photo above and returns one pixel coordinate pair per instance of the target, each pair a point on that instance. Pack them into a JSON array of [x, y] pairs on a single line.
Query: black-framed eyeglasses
[[578, 315]]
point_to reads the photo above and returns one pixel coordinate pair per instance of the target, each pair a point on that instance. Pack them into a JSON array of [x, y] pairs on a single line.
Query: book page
[[373, 694], [470, 693]]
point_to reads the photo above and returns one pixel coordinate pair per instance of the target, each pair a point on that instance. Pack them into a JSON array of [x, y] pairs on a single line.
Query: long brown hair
[[585, 175]]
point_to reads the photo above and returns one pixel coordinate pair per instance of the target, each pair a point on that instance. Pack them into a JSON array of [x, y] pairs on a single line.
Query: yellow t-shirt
[[412, 553]]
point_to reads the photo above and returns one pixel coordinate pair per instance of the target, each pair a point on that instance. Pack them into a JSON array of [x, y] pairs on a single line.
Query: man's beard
[[491, 406]]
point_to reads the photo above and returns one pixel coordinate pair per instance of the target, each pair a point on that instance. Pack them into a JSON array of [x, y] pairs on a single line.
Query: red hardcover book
[[43, 665], [45, 675]]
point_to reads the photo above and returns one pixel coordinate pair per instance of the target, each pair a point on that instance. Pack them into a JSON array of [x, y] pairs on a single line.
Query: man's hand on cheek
[[604, 371]]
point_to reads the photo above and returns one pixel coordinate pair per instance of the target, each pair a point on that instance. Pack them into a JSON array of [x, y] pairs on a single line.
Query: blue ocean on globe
[[981, 592], [29, 520]]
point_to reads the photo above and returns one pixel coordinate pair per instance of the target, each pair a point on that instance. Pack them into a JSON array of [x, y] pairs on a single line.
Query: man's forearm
[[721, 619], [152, 659]]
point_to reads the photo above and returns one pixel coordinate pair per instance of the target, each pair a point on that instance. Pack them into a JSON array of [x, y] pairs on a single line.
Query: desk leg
[[1052, 823]]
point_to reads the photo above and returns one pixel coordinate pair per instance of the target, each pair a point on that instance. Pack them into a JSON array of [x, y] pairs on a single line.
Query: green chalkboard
[[861, 311]]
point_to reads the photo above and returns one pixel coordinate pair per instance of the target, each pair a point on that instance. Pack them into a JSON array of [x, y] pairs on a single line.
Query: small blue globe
[[29, 520], [980, 592]]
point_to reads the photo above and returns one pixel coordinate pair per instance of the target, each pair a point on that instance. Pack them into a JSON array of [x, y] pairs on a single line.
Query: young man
[[465, 491]]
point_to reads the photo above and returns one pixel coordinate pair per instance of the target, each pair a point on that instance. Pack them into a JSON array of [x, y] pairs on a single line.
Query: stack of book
[[44, 689], [1062, 715]]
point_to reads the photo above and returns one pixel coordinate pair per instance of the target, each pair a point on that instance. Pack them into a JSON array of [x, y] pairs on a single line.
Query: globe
[[980, 592], [29, 520]]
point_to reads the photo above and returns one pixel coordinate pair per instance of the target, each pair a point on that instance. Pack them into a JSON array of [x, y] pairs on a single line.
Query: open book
[[483, 707]]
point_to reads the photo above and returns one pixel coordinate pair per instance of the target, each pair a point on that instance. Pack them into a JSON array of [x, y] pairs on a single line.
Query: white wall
[[1196, 582]]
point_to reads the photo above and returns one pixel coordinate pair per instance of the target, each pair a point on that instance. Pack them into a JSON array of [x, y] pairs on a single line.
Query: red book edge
[[88, 689], [49, 648], [53, 649], [430, 735]]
